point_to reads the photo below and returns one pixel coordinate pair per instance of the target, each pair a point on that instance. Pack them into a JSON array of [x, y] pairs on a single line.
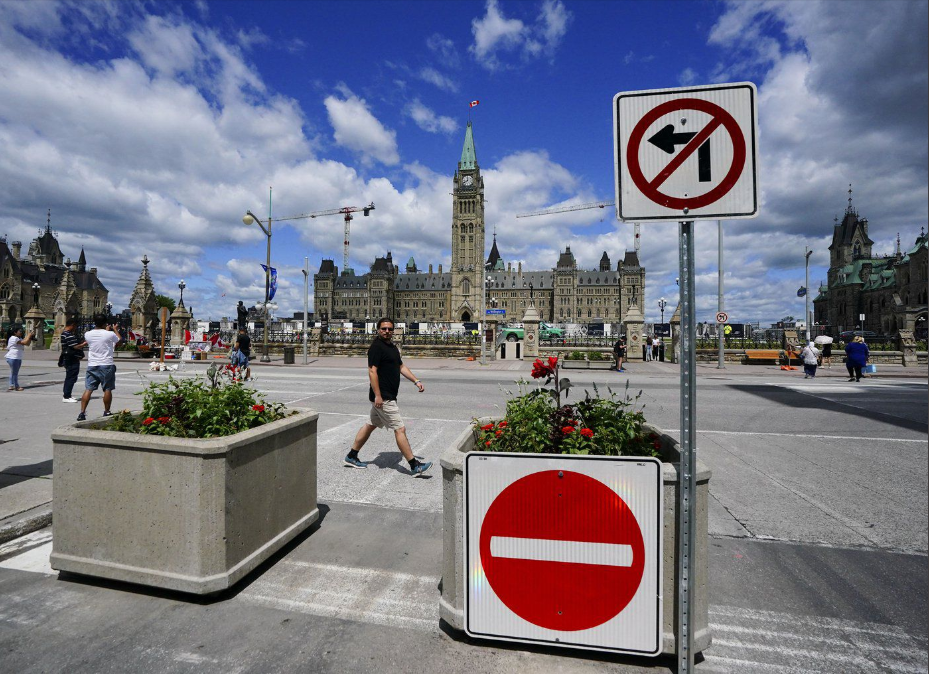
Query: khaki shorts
[[387, 416]]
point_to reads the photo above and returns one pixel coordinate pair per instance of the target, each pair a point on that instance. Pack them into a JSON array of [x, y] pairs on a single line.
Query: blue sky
[[151, 127]]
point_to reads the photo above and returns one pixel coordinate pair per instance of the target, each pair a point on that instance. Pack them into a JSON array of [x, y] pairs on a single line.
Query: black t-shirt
[[619, 348], [386, 357], [245, 344]]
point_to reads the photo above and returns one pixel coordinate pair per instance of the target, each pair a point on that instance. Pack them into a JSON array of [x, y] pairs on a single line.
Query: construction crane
[[347, 211], [582, 207]]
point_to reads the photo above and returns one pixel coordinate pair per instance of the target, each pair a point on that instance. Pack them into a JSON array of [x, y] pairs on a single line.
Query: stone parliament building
[[563, 294], [890, 291]]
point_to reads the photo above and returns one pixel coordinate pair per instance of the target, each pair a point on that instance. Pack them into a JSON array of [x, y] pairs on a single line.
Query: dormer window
[[856, 250]]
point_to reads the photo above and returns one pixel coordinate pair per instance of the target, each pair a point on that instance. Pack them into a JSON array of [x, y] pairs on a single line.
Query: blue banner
[[273, 286], [801, 292]]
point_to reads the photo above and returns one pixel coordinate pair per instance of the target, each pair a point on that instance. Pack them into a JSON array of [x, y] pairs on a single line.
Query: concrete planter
[[451, 602], [569, 364], [187, 515]]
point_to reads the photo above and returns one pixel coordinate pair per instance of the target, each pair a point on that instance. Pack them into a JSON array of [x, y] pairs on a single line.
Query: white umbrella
[[823, 339]]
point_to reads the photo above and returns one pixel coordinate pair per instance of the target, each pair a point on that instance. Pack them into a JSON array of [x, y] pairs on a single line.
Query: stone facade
[[65, 287], [143, 304], [890, 291], [562, 294]]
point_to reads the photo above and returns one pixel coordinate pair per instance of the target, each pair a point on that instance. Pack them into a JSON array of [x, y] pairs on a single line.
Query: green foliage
[[199, 408], [595, 355], [534, 423], [576, 355], [165, 301]]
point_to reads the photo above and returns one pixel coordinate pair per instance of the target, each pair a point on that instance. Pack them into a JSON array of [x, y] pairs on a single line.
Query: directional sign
[[722, 317], [686, 153], [564, 550], [495, 312]]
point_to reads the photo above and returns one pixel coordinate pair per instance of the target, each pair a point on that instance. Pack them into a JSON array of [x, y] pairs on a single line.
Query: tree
[[165, 301]]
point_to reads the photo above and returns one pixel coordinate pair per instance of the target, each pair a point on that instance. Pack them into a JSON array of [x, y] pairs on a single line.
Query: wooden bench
[[762, 354]]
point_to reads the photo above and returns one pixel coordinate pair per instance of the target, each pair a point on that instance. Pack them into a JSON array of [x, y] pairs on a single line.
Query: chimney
[[93, 270], [520, 267], [440, 269], [509, 267], [430, 269], [16, 249]]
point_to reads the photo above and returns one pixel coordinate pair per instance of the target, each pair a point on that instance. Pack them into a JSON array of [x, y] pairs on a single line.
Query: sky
[[151, 127]]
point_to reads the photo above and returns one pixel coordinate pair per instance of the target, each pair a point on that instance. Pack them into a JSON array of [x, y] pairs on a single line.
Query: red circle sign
[[719, 117], [562, 550]]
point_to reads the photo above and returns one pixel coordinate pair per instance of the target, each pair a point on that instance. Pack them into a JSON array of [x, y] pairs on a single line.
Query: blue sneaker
[[622, 370], [354, 463], [421, 468]]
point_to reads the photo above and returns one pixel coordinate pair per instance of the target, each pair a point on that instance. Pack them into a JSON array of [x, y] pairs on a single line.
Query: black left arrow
[[667, 140]]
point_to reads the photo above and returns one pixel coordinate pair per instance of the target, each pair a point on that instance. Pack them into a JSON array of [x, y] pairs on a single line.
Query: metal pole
[[483, 322], [687, 525], [721, 303], [306, 301], [807, 294], [266, 358]]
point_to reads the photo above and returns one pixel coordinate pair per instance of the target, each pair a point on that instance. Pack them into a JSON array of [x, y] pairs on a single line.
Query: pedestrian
[[648, 347], [243, 346], [827, 354], [809, 355], [619, 352], [101, 370], [856, 357], [72, 351], [14, 352], [384, 369]]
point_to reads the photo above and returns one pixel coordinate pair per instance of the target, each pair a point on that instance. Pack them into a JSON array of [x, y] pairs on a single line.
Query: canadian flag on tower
[[473, 103]]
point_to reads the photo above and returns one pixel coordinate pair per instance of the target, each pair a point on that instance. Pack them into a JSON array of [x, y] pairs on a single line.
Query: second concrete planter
[[451, 602], [188, 515]]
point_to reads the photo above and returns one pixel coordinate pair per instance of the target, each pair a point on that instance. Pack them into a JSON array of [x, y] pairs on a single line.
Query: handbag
[[869, 369]]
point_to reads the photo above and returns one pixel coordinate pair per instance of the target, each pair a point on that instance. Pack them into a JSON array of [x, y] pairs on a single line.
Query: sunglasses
[[387, 329]]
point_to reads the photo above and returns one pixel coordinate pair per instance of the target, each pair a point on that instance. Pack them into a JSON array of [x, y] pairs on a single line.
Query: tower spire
[[48, 221], [849, 209], [468, 155]]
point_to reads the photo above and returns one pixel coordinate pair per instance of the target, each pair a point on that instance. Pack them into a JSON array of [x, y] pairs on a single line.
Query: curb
[[25, 522]]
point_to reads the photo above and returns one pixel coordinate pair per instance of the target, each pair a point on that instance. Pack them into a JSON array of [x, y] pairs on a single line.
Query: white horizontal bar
[[574, 552]]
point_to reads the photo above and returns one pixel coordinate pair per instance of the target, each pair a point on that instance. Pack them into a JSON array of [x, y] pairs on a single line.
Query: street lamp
[[662, 303], [182, 285], [35, 295], [488, 280], [306, 301], [249, 219]]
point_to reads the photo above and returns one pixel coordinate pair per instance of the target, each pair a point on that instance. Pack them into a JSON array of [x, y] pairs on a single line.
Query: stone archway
[[465, 316]]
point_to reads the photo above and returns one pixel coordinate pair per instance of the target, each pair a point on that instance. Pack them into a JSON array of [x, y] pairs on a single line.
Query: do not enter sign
[[564, 550]]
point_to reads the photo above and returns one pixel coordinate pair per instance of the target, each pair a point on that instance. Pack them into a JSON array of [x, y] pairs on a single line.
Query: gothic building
[[890, 291], [562, 294], [64, 287]]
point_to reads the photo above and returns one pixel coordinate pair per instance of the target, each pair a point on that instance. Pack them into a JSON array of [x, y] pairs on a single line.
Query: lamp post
[[35, 295], [487, 281], [807, 294], [182, 285], [662, 303], [250, 218], [306, 301]]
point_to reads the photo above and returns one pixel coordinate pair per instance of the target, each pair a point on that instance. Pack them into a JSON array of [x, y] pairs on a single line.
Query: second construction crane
[[581, 207], [347, 211]]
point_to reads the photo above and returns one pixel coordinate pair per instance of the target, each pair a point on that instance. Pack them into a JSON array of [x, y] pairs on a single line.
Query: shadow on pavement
[[28, 470]]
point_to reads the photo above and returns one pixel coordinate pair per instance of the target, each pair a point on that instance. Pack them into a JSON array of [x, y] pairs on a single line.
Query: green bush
[[199, 408], [576, 355], [595, 355]]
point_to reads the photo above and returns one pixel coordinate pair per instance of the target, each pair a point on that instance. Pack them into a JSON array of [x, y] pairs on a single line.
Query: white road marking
[[572, 552]]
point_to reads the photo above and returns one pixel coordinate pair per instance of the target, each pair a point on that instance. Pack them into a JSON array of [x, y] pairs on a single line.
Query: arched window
[[856, 250], [5, 292], [466, 286]]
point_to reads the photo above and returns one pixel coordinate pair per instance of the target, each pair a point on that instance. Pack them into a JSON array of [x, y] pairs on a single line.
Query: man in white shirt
[[101, 371]]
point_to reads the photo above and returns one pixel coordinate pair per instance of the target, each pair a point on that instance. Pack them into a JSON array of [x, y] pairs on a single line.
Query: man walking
[[243, 346], [101, 370], [619, 351], [384, 369], [241, 314], [71, 354]]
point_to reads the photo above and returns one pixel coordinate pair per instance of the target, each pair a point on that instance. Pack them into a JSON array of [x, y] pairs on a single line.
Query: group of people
[[97, 345], [857, 355]]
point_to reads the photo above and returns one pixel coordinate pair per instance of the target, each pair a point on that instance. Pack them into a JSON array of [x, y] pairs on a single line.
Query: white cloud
[[444, 49], [495, 34], [359, 130], [687, 77], [427, 120], [433, 76]]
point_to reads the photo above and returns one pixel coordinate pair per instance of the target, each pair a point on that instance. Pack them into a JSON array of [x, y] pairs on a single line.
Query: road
[[818, 525]]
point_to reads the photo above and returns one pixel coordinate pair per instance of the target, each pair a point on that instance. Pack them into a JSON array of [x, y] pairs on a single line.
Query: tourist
[[14, 353], [242, 352], [619, 352], [70, 358], [827, 354], [101, 370], [856, 357], [648, 347], [809, 356], [384, 369], [241, 315]]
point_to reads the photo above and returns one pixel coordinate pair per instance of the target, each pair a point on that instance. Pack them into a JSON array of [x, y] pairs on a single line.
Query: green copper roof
[[468, 157]]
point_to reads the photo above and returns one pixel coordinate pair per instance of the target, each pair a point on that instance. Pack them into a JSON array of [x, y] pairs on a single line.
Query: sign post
[[683, 155]]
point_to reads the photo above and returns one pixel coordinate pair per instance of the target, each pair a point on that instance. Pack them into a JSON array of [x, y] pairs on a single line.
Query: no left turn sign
[[686, 153], [722, 317]]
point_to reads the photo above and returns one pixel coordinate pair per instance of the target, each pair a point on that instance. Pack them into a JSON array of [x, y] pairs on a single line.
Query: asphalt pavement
[[818, 531]]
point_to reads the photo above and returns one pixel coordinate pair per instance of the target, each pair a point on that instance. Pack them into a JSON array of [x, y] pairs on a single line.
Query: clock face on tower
[[467, 181]]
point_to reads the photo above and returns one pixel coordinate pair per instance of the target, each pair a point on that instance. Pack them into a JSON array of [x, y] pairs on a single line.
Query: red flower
[[258, 408], [567, 430], [488, 443], [540, 369], [163, 420], [487, 427], [657, 444], [149, 421], [587, 433], [498, 433], [502, 424], [552, 361]]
